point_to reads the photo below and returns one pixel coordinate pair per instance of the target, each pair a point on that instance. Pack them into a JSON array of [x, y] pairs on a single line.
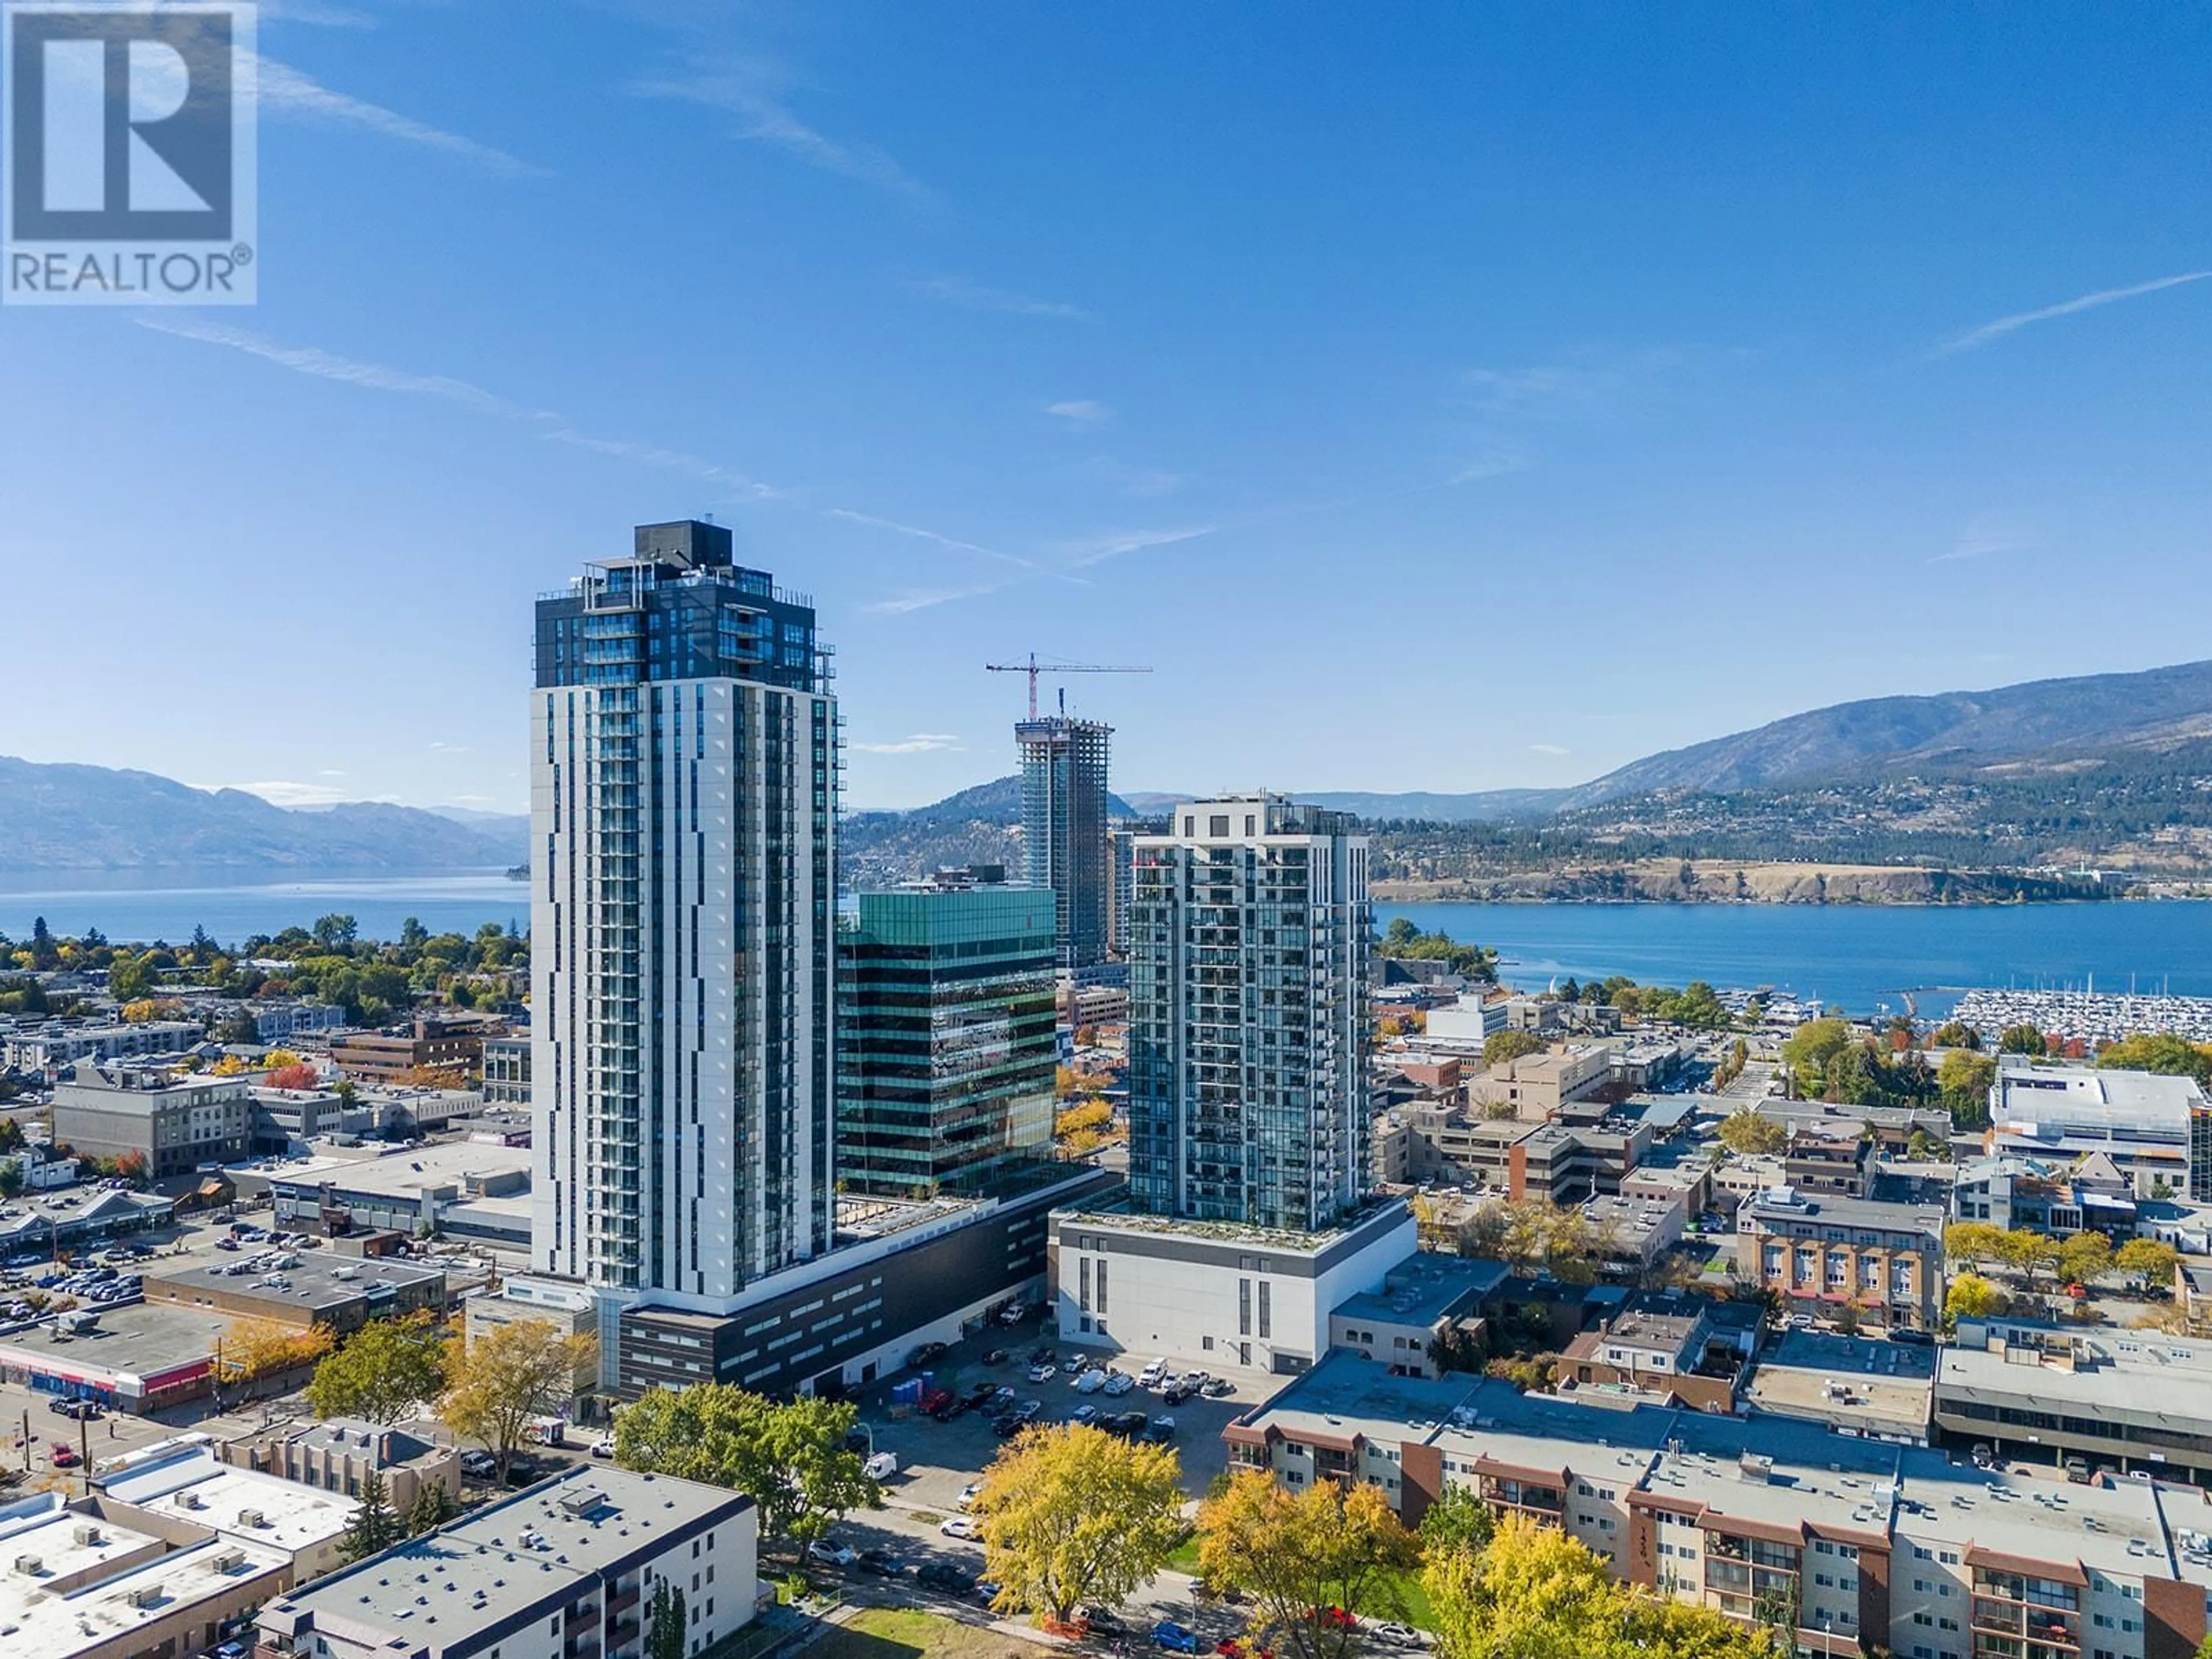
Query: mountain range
[[2057, 766], [93, 819]]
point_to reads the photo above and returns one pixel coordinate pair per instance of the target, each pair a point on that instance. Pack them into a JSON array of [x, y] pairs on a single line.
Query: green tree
[[1955, 1034], [1500, 1047], [2023, 1040], [1295, 1554], [1963, 1078], [129, 978], [374, 1526], [666, 1634], [1746, 1132], [789, 1456], [11, 1178], [382, 1372], [1458, 1520], [433, 1507], [1072, 1515], [2166, 1054], [1811, 1050]]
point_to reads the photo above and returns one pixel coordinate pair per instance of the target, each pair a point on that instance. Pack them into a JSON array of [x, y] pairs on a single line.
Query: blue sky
[[1435, 397]]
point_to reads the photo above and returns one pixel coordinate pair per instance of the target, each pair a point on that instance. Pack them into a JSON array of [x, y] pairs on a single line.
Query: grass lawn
[[904, 1633]]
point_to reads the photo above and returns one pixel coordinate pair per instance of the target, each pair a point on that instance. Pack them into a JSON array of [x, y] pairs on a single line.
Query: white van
[[882, 1466], [1153, 1374]]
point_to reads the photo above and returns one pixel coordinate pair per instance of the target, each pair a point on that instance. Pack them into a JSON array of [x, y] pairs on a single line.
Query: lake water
[[168, 906], [1863, 956]]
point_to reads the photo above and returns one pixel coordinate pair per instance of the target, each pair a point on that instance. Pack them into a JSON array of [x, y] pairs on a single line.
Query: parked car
[[959, 1526], [1913, 1339], [1013, 1313], [63, 1455], [831, 1555], [479, 1465], [1160, 1430], [934, 1402], [881, 1563], [1118, 1383], [943, 1576], [977, 1397], [524, 1470], [1398, 1635], [1103, 1621], [1174, 1637], [1176, 1392], [1043, 1373], [1220, 1388], [1153, 1374], [996, 1357], [1084, 1415], [882, 1466], [970, 1493], [1090, 1381]]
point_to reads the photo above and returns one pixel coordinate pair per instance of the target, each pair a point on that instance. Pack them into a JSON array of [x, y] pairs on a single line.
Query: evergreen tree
[[374, 1526], [665, 1622], [433, 1507]]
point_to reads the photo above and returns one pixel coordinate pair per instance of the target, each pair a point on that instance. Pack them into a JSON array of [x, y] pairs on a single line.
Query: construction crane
[[1033, 668]]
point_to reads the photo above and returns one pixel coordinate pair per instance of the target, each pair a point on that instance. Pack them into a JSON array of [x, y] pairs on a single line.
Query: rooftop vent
[[30, 1565], [85, 1533]]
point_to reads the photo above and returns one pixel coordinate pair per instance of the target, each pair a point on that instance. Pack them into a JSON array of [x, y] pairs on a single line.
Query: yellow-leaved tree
[[1310, 1561], [1073, 1517], [512, 1373]]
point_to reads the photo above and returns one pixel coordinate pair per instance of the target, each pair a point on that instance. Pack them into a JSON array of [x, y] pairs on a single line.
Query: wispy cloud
[[441, 747], [921, 743], [971, 295], [951, 544], [1987, 535], [1973, 338], [285, 91], [379, 377], [1498, 465], [753, 90], [1145, 483], [673, 460], [1082, 554], [1586, 385], [328, 366], [1080, 411], [1550, 749], [927, 599]]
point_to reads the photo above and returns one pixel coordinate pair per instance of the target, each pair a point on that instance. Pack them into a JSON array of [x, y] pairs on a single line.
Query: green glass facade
[[945, 1030]]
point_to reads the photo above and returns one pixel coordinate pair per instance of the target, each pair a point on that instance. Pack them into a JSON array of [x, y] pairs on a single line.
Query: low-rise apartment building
[[1883, 1261], [563, 1569], [1831, 1158], [60, 1044], [174, 1120], [1861, 1545]]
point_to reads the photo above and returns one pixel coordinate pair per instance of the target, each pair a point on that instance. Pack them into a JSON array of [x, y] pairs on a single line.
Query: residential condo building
[[1064, 763], [1250, 934], [683, 767]]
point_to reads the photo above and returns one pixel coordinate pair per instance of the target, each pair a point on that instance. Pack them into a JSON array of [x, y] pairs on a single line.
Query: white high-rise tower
[[683, 781]]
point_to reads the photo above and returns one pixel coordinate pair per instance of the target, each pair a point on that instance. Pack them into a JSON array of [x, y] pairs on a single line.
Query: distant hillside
[[90, 817], [1884, 733], [1485, 807]]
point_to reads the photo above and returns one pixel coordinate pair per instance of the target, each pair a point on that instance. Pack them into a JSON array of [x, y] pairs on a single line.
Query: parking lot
[[936, 1459]]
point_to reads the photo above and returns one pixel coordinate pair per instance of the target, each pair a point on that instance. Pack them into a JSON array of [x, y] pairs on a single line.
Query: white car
[[831, 1555], [970, 1493], [1118, 1383], [604, 1447], [1404, 1636], [1043, 1373], [959, 1526], [1153, 1374], [1090, 1381]]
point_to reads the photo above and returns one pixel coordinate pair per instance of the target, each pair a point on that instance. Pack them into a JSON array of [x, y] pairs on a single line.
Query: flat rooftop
[[323, 1279], [406, 1172], [1424, 1288], [54, 1624], [510, 1556], [1882, 1389], [2142, 1377], [187, 1482], [138, 1340]]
